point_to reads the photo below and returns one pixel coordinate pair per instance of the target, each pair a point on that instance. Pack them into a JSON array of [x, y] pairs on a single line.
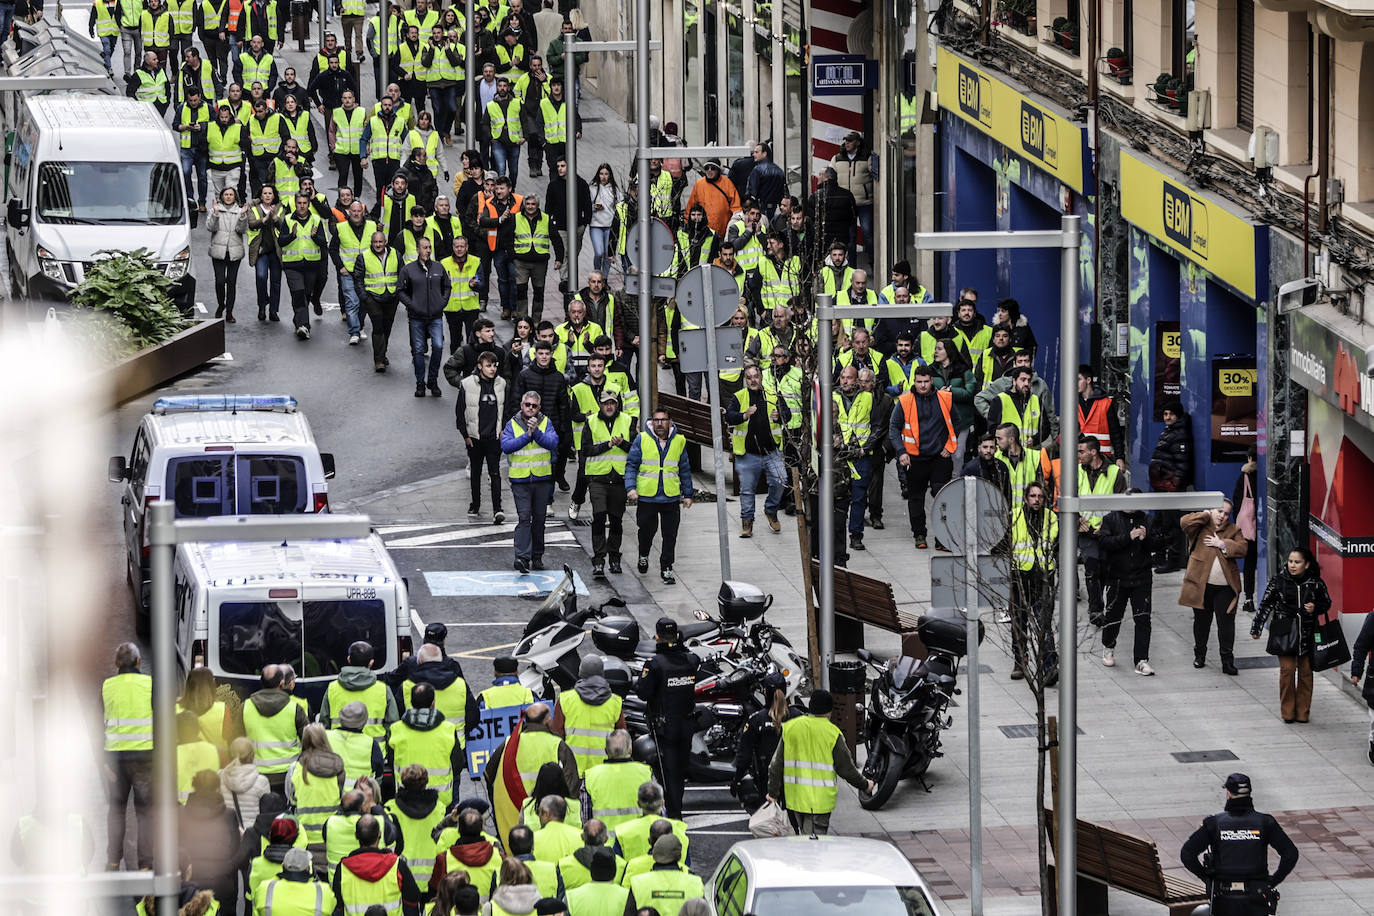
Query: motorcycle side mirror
[[865, 656]]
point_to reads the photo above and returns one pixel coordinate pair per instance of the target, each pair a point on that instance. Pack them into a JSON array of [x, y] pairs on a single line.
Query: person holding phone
[[1211, 583]]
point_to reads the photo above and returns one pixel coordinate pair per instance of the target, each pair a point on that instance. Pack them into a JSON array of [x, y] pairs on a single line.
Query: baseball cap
[[609, 395], [1238, 784], [853, 135], [296, 860], [667, 849], [436, 633], [489, 176], [666, 628]]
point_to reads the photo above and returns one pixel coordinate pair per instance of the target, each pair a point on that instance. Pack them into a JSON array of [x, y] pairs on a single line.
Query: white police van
[[242, 605], [217, 455]]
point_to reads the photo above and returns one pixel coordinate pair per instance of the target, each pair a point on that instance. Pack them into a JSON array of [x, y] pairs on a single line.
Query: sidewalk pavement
[[1314, 777]]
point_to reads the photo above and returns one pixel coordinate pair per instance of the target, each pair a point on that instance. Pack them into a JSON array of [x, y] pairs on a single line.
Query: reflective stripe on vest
[[431, 749], [183, 15], [350, 244], [357, 895], [535, 750], [299, 130], [531, 459], [255, 69], [1104, 484], [380, 273], [317, 797], [264, 134], [303, 247], [128, 702], [152, 87], [271, 889], [275, 742], [105, 26], [739, 434], [1020, 475], [417, 834], [462, 297], [555, 121], [531, 236], [386, 142], [786, 389], [340, 838], [854, 421], [659, 466], [611, 461], [356, 750], [156, 29], [430, 144], [498, 696], [586, 727], [505, 120], [452, 701], [1030, 550]]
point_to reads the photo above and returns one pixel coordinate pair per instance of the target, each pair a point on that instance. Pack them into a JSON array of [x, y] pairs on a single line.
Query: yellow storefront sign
[[1050, 140], [1203, 231]]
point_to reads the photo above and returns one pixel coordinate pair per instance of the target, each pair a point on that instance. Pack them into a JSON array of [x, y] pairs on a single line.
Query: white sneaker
[[1143, 667], [573, 510], [303, 333], [362, 335], [353, 341], [1109, 658]]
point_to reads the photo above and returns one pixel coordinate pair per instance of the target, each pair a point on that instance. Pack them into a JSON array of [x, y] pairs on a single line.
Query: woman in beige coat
[[1211, 583]]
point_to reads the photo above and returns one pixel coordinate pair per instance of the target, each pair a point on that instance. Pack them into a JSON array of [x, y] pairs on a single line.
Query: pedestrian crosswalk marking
[[465, 535], [505, 583], [200, 307], [225, 357], [398, 529]]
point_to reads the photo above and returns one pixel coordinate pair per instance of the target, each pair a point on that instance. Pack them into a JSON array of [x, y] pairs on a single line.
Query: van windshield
[[235, 484], [147, 193], [312, 636]]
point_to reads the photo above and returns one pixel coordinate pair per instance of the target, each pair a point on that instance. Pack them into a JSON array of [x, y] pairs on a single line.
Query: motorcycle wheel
[[887, 771]]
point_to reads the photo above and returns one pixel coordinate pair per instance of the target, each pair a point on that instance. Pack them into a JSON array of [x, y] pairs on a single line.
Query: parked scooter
[[907, 708]]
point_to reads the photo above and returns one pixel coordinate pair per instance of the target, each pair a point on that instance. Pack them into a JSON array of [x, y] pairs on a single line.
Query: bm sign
[[1185, 219]]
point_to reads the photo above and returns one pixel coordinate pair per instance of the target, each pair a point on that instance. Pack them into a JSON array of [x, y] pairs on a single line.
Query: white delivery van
[[243, 605], [217, 454], [89, 173]]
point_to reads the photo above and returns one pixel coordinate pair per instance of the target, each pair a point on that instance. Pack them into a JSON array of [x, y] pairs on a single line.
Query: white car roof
[[248, 427], [828, 861], [228, 563]]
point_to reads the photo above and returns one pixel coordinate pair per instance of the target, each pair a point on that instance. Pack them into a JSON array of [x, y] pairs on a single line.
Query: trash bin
[[847, 687]]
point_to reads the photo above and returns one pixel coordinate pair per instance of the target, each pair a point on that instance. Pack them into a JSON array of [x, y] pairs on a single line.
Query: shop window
[[1184, 50], [1062, 26]]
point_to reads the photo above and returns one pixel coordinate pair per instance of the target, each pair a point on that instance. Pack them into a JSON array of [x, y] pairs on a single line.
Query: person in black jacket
[[1296, 593], [831, 209], [1171, 471], [987, 465], [1364, 644], [556, 206], [1126, 560], [1238, 880], [668, 685], [759, 740], [423, 288]]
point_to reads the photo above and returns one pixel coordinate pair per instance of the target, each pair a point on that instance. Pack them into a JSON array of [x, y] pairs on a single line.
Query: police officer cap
[[436, 633], [296, 860], [1238, 784], [666, 628]]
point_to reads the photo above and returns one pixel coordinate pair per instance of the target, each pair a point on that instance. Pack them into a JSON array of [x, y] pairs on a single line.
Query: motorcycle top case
[[616, 636], [943, 634], [740, 602]]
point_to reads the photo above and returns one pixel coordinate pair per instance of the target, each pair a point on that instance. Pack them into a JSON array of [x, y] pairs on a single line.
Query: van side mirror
[[16, 215], [327, 459], [117, 469]]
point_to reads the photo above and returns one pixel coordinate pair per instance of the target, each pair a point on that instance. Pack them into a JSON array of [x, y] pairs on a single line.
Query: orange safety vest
[[484, 204], [1049, 473], [1095, 425], [235, 11], [911, 435]]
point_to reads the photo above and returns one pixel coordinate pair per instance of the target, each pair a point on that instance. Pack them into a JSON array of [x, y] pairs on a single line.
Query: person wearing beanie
[[601, 894], [665, 887], [362, 754], [587, 714], [295, 891], [810, 745]]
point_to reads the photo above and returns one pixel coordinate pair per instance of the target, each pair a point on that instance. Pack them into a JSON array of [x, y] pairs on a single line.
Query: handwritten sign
[[496, 725]]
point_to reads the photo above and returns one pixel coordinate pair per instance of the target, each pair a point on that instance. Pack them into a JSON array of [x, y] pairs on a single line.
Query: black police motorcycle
[[908, 705]]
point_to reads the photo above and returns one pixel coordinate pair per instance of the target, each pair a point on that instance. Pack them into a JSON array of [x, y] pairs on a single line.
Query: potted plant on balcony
[[1165, 89], [1019, 14], [1064, 33], [1118, 64]]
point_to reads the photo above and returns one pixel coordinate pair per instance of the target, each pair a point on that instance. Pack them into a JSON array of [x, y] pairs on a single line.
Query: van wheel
[[15, 291]]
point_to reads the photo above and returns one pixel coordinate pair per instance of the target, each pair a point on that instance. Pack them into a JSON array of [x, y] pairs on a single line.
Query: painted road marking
[[200, 307], [456, 534], [480, 653], [505, 583], [564, 539], [398, 529], [225, 357]]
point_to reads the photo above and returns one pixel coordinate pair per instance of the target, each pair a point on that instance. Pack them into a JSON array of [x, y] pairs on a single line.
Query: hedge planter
[[160, 363]]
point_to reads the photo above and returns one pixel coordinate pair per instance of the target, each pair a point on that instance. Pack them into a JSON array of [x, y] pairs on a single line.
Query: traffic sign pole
[[717, 442], [975, 744]]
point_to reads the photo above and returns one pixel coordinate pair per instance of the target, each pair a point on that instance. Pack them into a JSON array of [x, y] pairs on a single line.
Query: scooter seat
[[646, 648], [697, 628]]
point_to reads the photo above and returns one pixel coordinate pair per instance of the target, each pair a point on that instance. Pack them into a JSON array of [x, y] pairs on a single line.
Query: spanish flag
[[508, 789]]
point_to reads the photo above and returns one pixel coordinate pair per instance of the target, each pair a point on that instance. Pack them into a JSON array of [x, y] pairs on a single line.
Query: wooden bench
[[1110, 858], [863, 599], [693, 420]]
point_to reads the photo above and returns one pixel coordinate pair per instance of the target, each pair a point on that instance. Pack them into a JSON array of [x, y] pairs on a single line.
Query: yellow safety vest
[[348, 130], [299, 130], [275, 741], [157, 29], [255, 70], [189, 116], [505, 120], [420, 848], [152, 87], [586, 727], [452, 701], [1034, 549], [1104, 484], [499, 696], [350, 244], [317, 797], [430, 145], [596, 898], [105, 25], [665, 890], [373, 697], [280, 896], [808, 764], [738, 434], [1027, 422], [854, 422], [380, 276], [613, 788], [386, 142], [303, 247], [356, 895], [787, 389], [555, 124], [530, 460], [356, 750], [183, 15], [264, 135], [432, 750], [611, 461], [462, 298], [191, 759], [128, 701], [657, 466], [1021, 474]]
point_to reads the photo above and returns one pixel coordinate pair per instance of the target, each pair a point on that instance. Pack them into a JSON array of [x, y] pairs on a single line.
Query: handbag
[[769, 820], [1285, 637], [1329, 648], [1245, 516]]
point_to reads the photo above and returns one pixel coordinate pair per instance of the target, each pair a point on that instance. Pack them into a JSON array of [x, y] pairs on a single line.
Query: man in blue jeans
[[530, 440], [423, 287], [757, 441], [350, 239]]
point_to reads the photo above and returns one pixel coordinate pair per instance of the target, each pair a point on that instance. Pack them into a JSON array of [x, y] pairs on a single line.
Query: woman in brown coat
[[1211, 582]]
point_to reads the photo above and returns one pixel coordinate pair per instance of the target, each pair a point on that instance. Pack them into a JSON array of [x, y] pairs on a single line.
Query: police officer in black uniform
[[668, 686], [1239, 838]]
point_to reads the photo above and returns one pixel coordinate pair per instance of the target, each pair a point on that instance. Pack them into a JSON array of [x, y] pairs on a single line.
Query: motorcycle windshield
[[907, 672]]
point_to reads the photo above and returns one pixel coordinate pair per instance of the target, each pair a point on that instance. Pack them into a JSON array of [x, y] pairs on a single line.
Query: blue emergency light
[[182, 403]]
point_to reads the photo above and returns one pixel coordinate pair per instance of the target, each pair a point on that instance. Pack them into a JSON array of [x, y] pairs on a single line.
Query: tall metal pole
[[648, 368], [713, 398], [471, 71], [383, 42], [324, 19], [825, 517], [975, 744], [166, 859], [569, 126], [1066, 857]]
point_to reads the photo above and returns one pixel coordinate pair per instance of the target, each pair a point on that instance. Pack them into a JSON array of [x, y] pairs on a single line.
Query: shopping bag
[[1284, 636], [1329, 648], [769, 820]]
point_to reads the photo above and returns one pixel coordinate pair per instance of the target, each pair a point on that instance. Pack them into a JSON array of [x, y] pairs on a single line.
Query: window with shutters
[[1245, 64]]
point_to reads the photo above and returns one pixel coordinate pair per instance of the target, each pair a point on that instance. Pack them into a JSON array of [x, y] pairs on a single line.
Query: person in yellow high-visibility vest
[[810, 756], [373, 875], [1034, 550], [658, 479], [128, 703], [588, 713], [512, 768], [274, 724], [357, 681]]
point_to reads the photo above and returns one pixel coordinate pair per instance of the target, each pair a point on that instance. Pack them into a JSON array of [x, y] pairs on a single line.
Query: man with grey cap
[[362, 754], [665, 887], [295, 892], [1238, 839]]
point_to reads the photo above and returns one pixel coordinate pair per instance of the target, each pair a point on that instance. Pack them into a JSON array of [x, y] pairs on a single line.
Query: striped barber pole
[[833, 116]]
